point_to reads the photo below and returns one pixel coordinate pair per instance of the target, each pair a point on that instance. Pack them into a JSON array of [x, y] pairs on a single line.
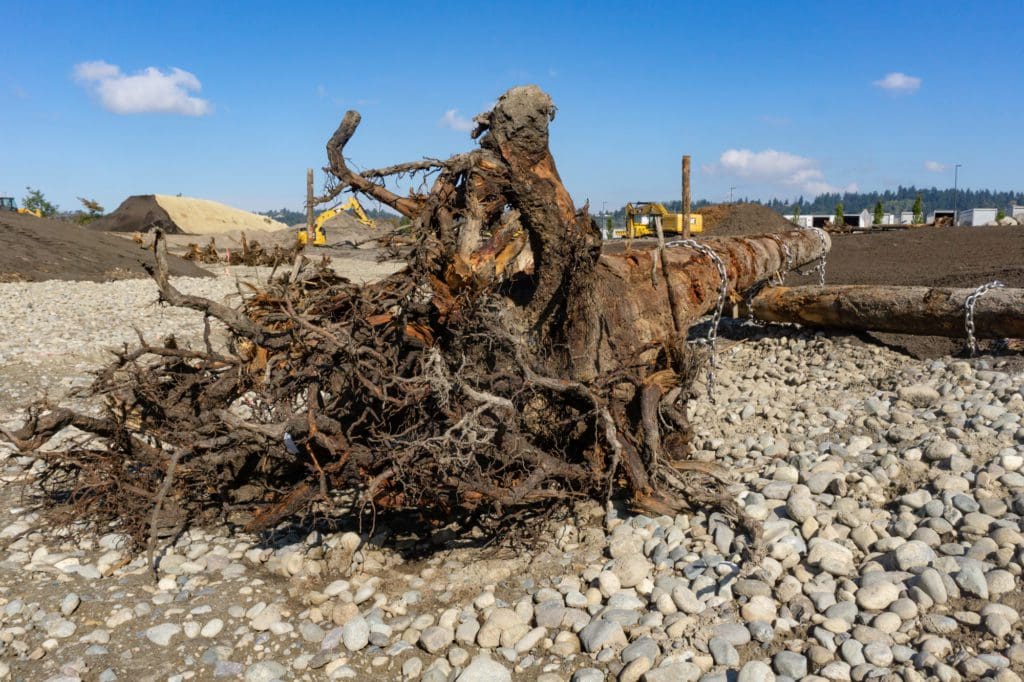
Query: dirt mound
[[37, 249], [736, 220], [345, 228], [182, 215], [140, 213]]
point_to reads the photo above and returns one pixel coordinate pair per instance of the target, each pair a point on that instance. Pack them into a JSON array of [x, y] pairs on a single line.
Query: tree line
[[892, 201]]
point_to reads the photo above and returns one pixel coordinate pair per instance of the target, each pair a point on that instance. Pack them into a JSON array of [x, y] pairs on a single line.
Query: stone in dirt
[[877, 596], [265, 671], [356, 634], [162, 634], [600, 634], [484, 669]]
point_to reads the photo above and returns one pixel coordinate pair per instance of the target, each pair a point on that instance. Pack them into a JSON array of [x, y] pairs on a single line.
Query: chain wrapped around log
[[903, 310], [693, 280]]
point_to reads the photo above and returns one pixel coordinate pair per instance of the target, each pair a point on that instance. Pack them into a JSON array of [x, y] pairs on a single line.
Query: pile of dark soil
[[37, 249], [964, 257], [139, 213], [739, 220]]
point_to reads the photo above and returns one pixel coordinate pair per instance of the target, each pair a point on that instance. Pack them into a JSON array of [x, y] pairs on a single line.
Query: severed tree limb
[[408, 207], [399, 168], [904, 310], [154, 519]]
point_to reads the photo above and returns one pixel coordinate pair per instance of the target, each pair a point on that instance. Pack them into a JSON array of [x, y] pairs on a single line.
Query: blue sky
[[232, 101]]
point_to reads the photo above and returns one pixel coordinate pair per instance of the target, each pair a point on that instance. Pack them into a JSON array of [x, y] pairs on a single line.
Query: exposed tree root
[[492, 378], [251, 253]]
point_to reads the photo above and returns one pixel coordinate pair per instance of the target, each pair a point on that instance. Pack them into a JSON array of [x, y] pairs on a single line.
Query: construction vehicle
[[642, 218], [8, 204], [320, 236]]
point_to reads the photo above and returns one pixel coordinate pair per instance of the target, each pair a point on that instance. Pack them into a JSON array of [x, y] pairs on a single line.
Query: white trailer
[[974, 217]]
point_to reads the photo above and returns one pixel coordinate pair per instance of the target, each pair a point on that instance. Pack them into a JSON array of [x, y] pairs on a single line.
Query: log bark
[[903, 310], [635, 312]]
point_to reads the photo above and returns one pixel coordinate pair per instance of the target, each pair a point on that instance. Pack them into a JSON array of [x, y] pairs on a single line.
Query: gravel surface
[[889, 489]]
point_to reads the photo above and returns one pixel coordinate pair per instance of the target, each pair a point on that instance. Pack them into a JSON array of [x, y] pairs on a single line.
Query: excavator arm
[[320, 236], [357, 208]]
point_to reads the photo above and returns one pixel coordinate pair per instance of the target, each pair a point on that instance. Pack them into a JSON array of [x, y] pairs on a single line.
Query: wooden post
[[310, 237], [686, 197]]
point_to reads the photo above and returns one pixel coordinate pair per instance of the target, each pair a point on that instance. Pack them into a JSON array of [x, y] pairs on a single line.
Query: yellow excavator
[[7, 204], [643, 217], [320, 236]]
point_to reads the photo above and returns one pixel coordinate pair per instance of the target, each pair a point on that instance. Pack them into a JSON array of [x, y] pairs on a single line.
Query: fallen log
[[903, 310], [656, 312]]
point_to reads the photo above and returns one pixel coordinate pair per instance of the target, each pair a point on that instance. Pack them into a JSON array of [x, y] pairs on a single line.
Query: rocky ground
[[889, 489]]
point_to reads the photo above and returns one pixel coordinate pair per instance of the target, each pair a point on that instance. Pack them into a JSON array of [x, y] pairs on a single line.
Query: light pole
[[956, 177], [730, 193]]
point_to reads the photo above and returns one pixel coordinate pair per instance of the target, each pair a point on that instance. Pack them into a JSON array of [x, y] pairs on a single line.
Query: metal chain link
[[723, 293], [780, 275], [820, 267], [969, 304]]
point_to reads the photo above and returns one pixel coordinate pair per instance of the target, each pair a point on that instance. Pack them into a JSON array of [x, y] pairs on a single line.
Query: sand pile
[[182, 215], [735, 220], [37, 249]]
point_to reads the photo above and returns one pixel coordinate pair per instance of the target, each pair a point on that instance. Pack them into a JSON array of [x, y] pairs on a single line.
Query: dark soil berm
[[37, 249]]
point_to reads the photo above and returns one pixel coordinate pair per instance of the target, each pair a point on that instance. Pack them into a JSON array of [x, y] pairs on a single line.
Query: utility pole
[[686, 197], [730, 193], [310, 237], [956, 174]]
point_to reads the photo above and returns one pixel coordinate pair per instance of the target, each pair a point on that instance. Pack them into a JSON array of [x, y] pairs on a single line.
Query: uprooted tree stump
[[511, 365]]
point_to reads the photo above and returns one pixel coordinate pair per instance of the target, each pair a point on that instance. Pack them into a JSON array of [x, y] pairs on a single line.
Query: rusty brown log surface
[[905, 310], [626, 292]]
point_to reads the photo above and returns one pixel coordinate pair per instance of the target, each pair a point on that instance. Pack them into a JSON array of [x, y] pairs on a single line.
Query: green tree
[[1000, 214], [839, 218], [879, 214], [918, 211], [92, 211], [36, 201], [609, 226], [796, 214]]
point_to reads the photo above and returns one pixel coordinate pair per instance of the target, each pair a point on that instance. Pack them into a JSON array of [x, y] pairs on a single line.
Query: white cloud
[[453, 120], [776, 167], [148, 91], [898, 82], [935, 166]]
